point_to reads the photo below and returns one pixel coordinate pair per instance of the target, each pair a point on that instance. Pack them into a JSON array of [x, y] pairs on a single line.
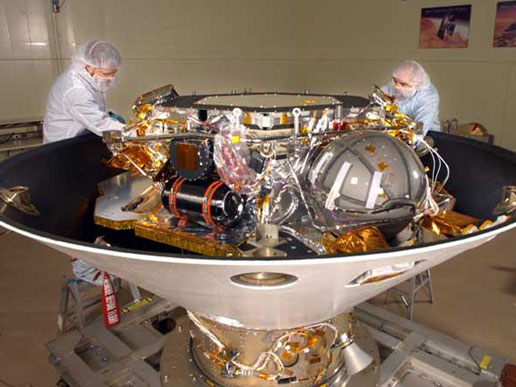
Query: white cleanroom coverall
[[415, 95], [76, 106], [423, 106]]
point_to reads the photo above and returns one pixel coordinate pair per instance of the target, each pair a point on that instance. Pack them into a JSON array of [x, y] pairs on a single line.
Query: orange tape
[[172, 198], [206, 202]]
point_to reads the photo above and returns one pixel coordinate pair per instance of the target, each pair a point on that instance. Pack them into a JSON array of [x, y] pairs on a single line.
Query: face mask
[[103, 84], [404, 92]]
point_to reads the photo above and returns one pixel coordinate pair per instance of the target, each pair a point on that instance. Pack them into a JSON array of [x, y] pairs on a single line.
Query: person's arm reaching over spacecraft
[[85, 110], [77, 100], [426, 110]]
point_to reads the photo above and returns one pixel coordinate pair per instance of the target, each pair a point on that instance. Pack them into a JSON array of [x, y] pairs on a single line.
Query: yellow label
[[486, 360], [235, 139], [138, 305]]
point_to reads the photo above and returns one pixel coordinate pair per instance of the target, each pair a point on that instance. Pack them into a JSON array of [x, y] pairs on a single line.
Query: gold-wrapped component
[[328, 241], [185, 241], [143, 112], [150, 159], [450, 223], [406, 135], [114, 224], [395, 123], [157, 228], [355, 241], [469, 229], [486, 224]]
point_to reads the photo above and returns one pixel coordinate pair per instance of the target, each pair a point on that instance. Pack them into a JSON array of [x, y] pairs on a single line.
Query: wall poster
[[445, 27], [505, 24]]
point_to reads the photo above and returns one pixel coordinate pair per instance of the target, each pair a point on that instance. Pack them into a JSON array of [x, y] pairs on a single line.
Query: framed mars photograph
[[505, 24], [445, 27]]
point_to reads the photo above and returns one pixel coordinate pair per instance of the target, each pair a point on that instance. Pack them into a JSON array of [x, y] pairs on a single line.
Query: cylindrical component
[[232, 355], [210, 202]]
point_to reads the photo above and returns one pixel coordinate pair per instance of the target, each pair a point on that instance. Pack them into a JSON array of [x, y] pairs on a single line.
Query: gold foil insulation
[[237, 356], [113, 224], [355, 241], [450, 223], [149, 158], [156, 227]]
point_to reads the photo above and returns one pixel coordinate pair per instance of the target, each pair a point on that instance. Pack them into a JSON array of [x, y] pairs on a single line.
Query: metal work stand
[[413, 355], [127, 355], [67, 319], [134, 353], [416, 283]]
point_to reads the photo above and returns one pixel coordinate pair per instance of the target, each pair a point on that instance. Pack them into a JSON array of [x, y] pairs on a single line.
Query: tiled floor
[[475, 302]]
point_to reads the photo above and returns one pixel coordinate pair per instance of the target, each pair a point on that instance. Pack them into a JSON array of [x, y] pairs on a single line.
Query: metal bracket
[[19, 198]]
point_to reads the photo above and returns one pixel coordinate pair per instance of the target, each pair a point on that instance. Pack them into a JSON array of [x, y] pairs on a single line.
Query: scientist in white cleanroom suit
[[76, 105], [415, 95], [77, 101]]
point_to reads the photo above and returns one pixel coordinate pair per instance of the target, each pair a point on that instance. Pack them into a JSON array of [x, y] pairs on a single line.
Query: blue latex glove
[[117, 117]]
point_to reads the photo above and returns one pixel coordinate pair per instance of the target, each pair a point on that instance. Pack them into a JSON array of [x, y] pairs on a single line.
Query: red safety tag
[[110, 306]]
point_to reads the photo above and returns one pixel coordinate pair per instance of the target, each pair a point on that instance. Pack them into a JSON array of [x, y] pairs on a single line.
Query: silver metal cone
[[356, 359]]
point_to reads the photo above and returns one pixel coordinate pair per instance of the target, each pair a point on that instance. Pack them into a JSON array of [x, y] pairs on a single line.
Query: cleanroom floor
[[475, 302]]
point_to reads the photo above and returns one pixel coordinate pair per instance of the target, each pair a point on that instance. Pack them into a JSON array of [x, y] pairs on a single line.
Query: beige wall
[[218, 45], [26, 68]]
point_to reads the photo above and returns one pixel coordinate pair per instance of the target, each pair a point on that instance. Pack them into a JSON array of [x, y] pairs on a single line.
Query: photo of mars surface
[[445, 27], [505, 25]]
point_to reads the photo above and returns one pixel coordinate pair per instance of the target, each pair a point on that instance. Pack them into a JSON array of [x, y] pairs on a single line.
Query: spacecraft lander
[[267, 216]]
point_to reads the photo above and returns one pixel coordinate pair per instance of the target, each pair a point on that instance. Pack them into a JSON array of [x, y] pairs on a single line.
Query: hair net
[[98, 54], [412, 73]]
